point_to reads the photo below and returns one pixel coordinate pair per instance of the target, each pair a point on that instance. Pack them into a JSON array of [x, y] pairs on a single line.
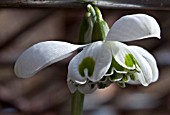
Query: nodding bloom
[[102, 62]]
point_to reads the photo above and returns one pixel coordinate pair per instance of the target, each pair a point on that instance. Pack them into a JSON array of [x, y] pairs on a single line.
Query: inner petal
[[122, 59], [92, 63]]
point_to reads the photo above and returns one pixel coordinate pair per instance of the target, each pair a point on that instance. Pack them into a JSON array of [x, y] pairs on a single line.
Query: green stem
[[77, 103]]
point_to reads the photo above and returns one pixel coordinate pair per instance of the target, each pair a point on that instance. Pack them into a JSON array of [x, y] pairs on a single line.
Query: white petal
[[121, 72], [134, 82], [100, 59], [116, 77], [110, 73], [145, 75], [41, 55], [134, 27], [87, 88], [150, 59], [71, 85], [119, 52]]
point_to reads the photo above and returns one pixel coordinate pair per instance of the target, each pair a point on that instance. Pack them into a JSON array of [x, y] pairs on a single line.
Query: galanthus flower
[[102, 62]]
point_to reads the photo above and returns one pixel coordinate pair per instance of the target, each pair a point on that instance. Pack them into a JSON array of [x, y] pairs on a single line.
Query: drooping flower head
[[102, 62]]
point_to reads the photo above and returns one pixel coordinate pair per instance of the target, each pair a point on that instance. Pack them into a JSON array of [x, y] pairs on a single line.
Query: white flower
[[102, 61]]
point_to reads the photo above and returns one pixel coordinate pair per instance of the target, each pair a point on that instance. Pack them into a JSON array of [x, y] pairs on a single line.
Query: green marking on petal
[[116, 77], [132, 77], [121, 84], [130, 60], [125, 78], [116, 65], [101, 85], [87, 63]]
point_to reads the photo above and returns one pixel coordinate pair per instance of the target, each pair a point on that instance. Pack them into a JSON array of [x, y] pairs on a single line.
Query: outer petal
[[134, 82], [150, 59], [119, 53], [41, 55], [92, 63], [145, 72], [134, 27]]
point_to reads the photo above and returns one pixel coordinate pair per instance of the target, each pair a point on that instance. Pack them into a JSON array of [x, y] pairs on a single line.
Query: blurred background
[[46, 93]]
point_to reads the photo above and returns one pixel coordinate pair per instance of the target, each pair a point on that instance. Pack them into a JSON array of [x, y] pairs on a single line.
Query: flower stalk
[[77, 103]]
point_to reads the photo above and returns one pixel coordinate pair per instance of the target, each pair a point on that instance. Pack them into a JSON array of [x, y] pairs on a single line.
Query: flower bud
[[86, 29], [100, 28]]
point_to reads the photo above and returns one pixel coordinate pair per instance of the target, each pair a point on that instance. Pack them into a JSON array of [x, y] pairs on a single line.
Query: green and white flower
[[101, 62]]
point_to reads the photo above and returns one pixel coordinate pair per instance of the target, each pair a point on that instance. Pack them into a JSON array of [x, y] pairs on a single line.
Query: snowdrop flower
[[102, 62]]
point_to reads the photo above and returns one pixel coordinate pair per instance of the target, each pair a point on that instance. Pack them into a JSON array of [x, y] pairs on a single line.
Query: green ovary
[[87, 63]]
